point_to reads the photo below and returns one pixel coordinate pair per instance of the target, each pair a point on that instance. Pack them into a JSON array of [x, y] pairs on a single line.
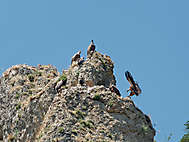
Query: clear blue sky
[[147, 37]]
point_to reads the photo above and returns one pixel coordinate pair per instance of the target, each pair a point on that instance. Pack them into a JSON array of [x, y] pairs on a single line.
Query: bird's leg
[[130, 89], [132, 93]]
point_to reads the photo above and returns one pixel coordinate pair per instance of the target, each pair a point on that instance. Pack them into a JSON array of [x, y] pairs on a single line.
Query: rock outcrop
[[82, 109]]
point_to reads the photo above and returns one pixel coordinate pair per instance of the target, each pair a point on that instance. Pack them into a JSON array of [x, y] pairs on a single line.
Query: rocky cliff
[[38, 104]]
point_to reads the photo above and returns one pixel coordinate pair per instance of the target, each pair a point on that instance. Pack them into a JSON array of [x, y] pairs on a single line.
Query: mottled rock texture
[[83, 109]]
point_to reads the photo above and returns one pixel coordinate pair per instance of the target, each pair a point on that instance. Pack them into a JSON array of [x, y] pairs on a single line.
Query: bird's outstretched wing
[[129, 78], [131, 81], [138, 89]]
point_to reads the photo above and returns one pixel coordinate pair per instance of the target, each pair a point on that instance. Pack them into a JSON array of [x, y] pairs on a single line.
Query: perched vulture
[[114, 89], [134, 88], [76, 57], [91, 48]]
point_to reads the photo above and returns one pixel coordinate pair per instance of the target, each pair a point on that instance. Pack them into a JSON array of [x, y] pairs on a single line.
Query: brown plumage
[[114, 89], [91, 48], [134, 88], [76, 57]]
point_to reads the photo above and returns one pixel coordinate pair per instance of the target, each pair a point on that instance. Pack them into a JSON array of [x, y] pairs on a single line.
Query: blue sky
[[149, 38]]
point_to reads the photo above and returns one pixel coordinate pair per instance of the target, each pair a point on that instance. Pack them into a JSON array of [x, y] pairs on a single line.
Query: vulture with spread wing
[[134, 88]]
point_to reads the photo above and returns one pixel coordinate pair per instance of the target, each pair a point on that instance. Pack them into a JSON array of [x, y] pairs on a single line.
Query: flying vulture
[[134, 88]]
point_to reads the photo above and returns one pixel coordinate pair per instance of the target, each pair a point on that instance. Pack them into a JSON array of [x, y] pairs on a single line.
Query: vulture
[[91, 48], [76, 57], [114, 89], [134, 88]]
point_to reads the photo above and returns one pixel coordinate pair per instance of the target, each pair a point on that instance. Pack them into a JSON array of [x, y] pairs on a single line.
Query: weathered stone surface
[[83, 108], [94, 114], [22, 113], [98, 70]]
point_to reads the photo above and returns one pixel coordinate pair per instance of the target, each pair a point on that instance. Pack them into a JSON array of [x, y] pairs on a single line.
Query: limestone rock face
[[98, 70], [82, 109], [21, 113]]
